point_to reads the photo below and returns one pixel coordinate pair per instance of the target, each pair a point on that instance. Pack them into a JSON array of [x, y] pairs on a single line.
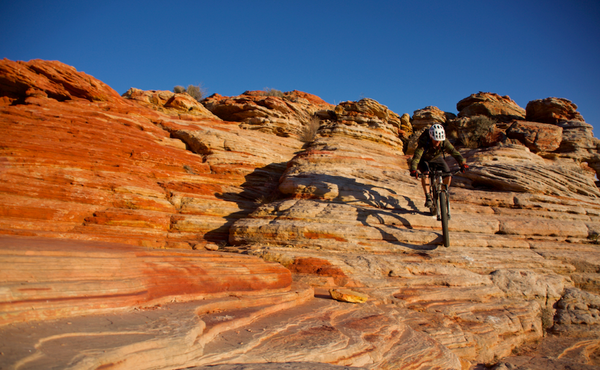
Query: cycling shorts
[[436, 163]]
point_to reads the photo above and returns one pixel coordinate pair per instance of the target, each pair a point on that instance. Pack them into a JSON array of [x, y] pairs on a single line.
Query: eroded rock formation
[[503, 108], [552, 110], [282, 114], [182, 186]]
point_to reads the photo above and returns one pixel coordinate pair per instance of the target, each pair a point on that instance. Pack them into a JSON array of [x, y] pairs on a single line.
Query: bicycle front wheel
[[444, 216]]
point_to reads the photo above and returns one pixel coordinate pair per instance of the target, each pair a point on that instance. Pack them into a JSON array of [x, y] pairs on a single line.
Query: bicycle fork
[[445, 190], [439, 188]]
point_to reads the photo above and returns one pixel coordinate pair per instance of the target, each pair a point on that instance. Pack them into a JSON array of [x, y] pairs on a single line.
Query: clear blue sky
[[405, 54]]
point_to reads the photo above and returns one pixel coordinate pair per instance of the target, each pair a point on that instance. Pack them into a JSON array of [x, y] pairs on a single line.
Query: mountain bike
[[440, 197]]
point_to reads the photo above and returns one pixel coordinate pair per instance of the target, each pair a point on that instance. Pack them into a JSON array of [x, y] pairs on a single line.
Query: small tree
[[178, 89]]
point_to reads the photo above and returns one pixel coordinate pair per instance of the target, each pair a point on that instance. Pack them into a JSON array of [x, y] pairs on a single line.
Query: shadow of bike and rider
[[377, 206]]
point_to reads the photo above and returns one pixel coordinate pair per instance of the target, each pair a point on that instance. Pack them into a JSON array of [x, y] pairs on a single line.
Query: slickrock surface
[[277, 328], [178, 182], [45, 279], [523, 231]]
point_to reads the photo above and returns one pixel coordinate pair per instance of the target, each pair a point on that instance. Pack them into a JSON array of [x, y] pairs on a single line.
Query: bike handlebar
[[435, 172]]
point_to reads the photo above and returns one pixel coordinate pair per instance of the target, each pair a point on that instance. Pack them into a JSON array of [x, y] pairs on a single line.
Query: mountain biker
[[431, 149]]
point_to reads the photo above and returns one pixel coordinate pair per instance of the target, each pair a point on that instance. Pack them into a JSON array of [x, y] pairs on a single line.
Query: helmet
[[437, 133]]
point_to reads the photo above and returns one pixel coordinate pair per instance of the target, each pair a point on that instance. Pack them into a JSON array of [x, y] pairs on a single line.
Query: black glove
[[415, 174], [464, 167]]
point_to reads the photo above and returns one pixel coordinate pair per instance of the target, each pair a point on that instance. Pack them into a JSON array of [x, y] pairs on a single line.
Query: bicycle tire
[[444, 216]]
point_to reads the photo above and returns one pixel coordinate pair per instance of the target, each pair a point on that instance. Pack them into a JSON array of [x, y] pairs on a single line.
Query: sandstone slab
[[44, 279]]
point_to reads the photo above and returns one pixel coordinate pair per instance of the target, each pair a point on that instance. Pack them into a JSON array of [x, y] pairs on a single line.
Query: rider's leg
[[447, 180], [424, 168], [425, 184], [426, 188]]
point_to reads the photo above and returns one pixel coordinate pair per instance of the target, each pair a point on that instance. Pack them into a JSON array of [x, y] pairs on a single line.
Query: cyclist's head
[[437, 133]]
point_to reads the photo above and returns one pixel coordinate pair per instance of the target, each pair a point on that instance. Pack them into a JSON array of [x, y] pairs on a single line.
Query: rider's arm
[[416, 158], [450, 149]]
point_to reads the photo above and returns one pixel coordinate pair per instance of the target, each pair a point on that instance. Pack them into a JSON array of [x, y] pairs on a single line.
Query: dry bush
[[412, 142], [272, 92], [472, 134], [309, 131], [197, 92]]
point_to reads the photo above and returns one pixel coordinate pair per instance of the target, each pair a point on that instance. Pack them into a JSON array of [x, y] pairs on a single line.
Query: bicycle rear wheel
[[444, 215]]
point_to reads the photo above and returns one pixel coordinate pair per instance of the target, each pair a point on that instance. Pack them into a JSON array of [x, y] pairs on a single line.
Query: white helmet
[[437, 133]]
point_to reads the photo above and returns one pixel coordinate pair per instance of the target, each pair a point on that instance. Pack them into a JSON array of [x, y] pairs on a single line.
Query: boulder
[[578, 307], [578, 144], [500, 108], [405, 126], [424, 118], [552, 110], [538, 137]]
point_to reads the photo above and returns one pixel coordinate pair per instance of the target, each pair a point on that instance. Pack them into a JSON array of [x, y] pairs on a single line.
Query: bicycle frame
[[441, 200], [437, 186]]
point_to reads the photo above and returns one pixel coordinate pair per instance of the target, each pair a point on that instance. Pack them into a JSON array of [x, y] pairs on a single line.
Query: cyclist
[[431, 149]]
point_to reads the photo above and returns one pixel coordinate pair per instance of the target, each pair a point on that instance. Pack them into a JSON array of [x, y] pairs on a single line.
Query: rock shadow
[[260, 186]]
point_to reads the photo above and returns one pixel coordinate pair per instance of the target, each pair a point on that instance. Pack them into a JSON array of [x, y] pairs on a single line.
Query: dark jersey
[[426, 151]]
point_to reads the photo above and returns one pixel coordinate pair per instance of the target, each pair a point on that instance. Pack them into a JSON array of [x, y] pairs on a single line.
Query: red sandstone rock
[[44, 279], [285, 115], [169, 102], [137, 172], [115, 170], [538, 137], [423, 118], [552, 110], [52, 79], [501, 108]]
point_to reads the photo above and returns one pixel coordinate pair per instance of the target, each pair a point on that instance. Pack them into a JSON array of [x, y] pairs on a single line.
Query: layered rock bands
[[127, 209]]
